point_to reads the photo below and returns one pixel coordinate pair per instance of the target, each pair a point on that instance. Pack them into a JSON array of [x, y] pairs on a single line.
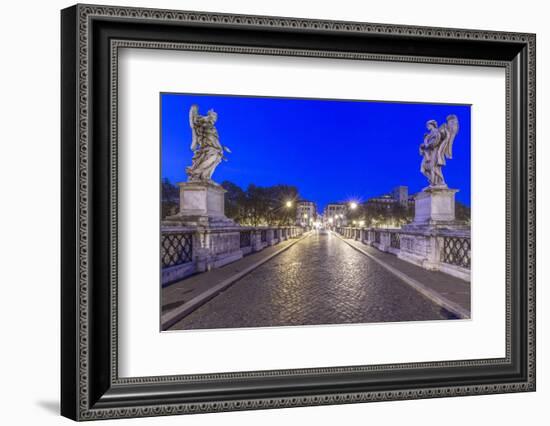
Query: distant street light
[[288, 204], [305, 215], [362, 223], [330, 220], [353, 205]]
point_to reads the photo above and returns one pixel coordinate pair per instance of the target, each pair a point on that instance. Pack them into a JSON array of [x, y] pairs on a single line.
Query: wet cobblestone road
[[320, 280]]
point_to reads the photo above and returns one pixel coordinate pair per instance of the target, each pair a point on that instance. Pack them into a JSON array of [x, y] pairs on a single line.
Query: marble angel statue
[[436, 148], [205, 144]]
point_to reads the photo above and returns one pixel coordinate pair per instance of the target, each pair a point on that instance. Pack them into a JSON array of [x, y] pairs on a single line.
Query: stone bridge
[[319, 278]]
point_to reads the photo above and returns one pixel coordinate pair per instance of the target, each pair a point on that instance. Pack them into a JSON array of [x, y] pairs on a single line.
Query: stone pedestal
[[201, 199], [201, 203], [435, 206], [216, 238], [434, 209]]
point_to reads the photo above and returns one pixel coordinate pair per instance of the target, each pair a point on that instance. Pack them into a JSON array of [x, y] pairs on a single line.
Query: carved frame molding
[[87, 397]]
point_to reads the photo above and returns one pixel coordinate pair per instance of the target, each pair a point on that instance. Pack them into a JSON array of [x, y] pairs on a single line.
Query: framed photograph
[[263, 212]]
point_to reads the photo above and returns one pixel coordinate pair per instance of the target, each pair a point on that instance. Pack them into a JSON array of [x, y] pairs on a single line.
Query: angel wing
[[448, 132], [193, 112]]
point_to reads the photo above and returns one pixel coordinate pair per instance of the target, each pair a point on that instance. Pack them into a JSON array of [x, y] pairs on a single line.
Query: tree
[[235, 200], [462, 211], [392, 215], [260, 205], [170, 196]]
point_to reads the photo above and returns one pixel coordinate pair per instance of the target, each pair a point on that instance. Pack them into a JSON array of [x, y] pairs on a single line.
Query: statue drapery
[[436, 148], [205, 144]]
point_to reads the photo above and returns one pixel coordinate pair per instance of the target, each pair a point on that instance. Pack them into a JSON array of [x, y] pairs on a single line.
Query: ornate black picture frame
[[91, 36]]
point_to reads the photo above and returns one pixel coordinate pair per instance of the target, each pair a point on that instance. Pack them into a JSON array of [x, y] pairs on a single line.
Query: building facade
[[398, 196], [306, 213], [335, 214], [401, 195]]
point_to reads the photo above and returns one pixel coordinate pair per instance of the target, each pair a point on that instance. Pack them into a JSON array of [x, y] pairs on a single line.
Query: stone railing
[[456, 251], [176, 248], [187, 250], [442, 250]]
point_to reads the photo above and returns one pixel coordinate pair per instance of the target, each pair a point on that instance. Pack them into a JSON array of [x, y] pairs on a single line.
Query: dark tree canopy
[[260, 205], [266, 205], [170, 198]]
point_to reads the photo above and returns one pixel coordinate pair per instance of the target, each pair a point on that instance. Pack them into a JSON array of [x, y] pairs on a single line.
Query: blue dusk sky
[[332, 150]]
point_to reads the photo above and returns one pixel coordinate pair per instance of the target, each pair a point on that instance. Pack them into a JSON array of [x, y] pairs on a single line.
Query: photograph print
[[281, 211]]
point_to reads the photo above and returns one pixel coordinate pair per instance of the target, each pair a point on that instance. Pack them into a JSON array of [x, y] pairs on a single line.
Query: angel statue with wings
[[205, 144], [436, 148]]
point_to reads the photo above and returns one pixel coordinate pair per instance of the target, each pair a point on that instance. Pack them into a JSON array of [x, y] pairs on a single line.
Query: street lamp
[[305, 215], [288, 204], [353, 205], [361, 223]]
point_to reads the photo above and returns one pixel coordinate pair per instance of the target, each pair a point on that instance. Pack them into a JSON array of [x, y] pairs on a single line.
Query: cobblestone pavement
[[320, 280]]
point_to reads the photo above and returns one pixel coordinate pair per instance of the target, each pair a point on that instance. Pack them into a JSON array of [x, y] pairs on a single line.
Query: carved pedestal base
[[201, 204], [434, 208], [434, 205]]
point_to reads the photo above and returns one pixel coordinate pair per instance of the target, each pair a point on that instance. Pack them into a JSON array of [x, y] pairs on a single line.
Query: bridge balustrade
[[187, 250], [456, 251], [443, 250], [176, 248]]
